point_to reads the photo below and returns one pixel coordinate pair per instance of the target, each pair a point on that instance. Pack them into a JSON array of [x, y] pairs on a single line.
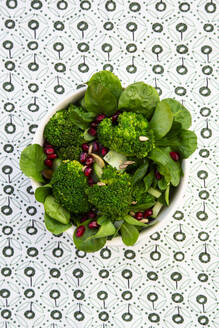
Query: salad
[[110, 162]]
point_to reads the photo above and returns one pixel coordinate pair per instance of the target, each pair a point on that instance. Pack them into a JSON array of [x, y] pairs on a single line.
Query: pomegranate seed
[[84, 218], [95, 147], [92, 132], [87, 171], [158, 175], [47, 145], [83, 157], [147, 213], [93, 224], [80, 231], [90, 181], [115, 117], [48, 162], [85, 147], [104, 151], [52, 156], [92, 215], [89, 161], [100, 117], [174, 155], [94, 124], [138, 215], [49, 150]]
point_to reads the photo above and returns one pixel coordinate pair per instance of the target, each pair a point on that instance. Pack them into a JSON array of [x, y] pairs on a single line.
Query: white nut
[[144, 221], [143, 138], [101, 184]]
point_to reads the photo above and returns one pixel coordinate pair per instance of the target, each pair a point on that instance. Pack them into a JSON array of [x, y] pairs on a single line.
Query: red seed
[[52, 156], [100, 117], [138, 215], [85, 147], [83, 157], [49, 150], [92, 215], [158, 175], [48, 162], [47, 145], [90, 181], [115, 117], [89, 161], [104, 151], [80, 231], [92, 132], [95, 147], [174, 155], [87, 171], [84, 218], [93, 224], [94, 124], [147, 213]]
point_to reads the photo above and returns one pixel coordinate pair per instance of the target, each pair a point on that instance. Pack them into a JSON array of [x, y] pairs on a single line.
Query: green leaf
[[101, 219], [148, 179], [129, 234], [162, 120], [99, 99], [142, 206], [54, 226], [162, 183], [139, 97], [130, 220], [162, 156], [109, 81], [106, 229], [87, 244], [56, 211], [183, 141], [82, 103], [42, 192], [32, 162], [180, 113], [140, 172], [117, 225], [79, 117]]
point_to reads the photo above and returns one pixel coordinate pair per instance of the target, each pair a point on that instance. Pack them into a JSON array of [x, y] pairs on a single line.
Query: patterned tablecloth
[[49, 48]]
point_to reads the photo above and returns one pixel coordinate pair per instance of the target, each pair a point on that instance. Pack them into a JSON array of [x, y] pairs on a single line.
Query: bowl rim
[[72, 97]]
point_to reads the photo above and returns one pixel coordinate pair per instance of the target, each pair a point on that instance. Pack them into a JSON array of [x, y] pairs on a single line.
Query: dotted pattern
[[49, 48]]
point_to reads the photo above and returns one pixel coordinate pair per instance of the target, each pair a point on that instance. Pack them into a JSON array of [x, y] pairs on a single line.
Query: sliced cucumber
[[156, 209], [167, 193], [115, 159], [154, 192], [98, 170]]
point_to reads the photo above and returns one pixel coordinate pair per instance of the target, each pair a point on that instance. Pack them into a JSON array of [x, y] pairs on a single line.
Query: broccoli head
[[114, 196], [61, 130], [68, 186], [70, 152], [124, 137]]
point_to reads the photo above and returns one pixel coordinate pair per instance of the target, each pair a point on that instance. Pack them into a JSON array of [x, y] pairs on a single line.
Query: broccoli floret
[[124, 137], [70, 152], [113, 198], [61, 131], [68, 186]]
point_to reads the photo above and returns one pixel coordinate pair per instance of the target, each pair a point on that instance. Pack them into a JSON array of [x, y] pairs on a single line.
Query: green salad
[[110, 162]]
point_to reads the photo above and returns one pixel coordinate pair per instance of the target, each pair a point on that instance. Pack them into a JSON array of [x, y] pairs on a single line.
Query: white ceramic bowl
[[165, 213]]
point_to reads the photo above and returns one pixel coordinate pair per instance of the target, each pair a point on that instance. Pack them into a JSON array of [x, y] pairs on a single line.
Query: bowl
[[165, 213]]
